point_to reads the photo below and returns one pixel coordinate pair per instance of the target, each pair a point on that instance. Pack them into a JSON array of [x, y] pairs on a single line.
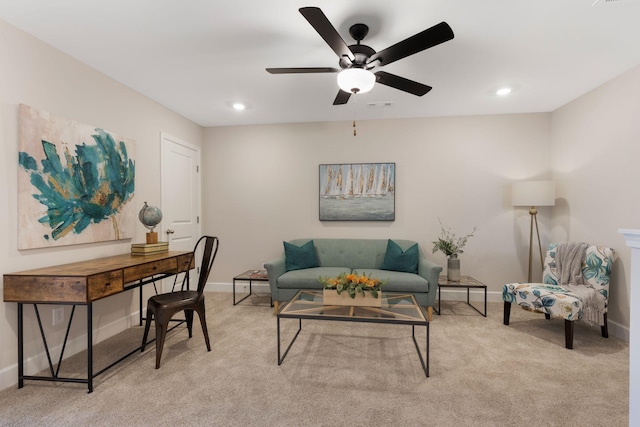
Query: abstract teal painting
[[76, 182]]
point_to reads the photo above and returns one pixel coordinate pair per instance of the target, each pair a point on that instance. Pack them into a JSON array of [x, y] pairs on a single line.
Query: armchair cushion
[[553, 300]]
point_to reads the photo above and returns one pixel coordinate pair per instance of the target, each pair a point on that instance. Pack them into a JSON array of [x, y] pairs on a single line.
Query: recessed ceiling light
[[503, 91], [238, 106]]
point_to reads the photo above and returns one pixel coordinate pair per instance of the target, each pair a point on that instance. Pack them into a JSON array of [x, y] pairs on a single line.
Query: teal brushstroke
[[27, 162], [93, 186]]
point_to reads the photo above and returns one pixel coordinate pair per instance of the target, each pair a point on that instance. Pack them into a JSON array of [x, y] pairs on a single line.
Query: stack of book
[[149, 248]]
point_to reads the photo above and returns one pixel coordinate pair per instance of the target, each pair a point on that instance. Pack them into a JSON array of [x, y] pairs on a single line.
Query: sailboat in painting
[[357, 192]]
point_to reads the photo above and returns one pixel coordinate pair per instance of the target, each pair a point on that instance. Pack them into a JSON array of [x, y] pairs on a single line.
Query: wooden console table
[[82, 283]]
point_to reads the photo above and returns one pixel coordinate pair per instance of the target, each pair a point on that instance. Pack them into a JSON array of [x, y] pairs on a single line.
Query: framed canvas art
[[357, 192], [75, 183]]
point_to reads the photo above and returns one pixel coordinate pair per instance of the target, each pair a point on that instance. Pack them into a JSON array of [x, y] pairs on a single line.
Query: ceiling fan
[[357, 60]]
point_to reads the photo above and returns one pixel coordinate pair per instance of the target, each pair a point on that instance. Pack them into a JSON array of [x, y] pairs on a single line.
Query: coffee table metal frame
[[315, 312], [467, 282]]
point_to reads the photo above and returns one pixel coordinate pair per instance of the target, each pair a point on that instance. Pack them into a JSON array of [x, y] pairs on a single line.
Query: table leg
[[424, 360], [234, 292], [281, 359], [427, 338], [89, 348], [485, 301], [140, 313], [243, 298], [20, 347]]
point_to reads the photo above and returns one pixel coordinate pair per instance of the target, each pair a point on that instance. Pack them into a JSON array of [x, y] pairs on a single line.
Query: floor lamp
[[533, 194]]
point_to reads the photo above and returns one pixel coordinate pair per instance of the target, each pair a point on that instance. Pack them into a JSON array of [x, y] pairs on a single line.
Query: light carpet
[[342, 374]]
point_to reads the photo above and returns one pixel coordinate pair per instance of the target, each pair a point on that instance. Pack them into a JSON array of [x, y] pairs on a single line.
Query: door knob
[[169, 231]]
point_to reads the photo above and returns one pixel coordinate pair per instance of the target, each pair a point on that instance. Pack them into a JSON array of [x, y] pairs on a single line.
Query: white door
[[180, 182]]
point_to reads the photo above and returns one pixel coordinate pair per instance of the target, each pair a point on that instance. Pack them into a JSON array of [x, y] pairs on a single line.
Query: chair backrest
[[211, 245], [596, 268]]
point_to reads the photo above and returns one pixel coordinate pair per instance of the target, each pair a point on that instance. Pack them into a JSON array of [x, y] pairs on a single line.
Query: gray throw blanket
[[569, 260]]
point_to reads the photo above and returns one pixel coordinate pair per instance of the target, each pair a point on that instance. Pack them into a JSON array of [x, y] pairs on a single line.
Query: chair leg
[[147, 324], [507, 312], [604, 328], [547, 316], [161, 334], [568, 334], [188, 314], [203, 322]]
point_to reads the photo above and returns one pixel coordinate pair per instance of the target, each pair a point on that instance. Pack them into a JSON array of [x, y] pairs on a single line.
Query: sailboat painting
[[357, 192]]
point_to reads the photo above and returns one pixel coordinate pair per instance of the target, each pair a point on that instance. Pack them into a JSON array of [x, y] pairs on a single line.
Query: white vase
[[453, 268]]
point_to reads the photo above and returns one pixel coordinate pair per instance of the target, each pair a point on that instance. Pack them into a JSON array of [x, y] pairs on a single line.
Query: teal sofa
[[365, 256]]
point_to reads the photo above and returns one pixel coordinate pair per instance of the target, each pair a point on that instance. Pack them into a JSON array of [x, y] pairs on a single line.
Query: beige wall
[[594, 156], [35, 74], [261, 186]]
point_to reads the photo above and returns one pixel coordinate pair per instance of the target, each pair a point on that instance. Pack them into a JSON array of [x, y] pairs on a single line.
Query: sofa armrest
[[430, 271], [275, 269]]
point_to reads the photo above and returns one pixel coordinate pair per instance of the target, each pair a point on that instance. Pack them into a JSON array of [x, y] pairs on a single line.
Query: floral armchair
[[555, 300]]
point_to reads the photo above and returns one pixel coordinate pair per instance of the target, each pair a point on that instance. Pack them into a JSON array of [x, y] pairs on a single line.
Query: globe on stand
[[150, 216]]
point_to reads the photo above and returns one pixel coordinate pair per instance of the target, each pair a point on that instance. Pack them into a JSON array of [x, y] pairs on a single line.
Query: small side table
[[467, 282], [249, 276]]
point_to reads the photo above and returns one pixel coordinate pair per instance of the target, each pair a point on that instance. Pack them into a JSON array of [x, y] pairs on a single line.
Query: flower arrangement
[[353, 284], [449, 244]]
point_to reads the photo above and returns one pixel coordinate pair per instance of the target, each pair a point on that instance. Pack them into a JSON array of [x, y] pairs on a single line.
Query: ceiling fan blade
[[342, 97], [430, 37], [319, 21], [401, 83], [301, 70]]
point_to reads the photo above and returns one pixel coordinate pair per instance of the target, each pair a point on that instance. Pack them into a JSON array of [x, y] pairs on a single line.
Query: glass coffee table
[[398, 309]]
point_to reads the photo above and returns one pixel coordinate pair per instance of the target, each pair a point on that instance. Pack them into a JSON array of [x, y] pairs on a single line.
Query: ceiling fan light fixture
[[356, 80], [504, 91]]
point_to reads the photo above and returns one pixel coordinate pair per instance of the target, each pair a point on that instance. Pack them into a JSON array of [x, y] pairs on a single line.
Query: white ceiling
[[197, 57]]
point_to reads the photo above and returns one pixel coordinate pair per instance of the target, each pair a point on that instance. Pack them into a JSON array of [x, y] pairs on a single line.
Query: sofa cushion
[[398, 281], [300, 257], [396, 259], [309, 278]]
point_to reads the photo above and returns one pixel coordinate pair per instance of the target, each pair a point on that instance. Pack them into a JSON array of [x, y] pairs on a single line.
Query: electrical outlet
[[58, 315]]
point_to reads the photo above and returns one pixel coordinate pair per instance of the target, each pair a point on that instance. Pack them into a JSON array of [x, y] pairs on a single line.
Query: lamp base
[[152, 237]]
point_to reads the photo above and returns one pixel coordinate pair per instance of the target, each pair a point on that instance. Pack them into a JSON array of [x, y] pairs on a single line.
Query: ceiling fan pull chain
[[355, 104]]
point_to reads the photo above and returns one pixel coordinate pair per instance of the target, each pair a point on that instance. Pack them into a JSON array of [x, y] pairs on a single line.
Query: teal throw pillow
[[299, 257], [398, 260]]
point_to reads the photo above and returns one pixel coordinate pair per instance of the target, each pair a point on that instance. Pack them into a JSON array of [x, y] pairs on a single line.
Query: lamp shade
[[356, 80], [533, 193]]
